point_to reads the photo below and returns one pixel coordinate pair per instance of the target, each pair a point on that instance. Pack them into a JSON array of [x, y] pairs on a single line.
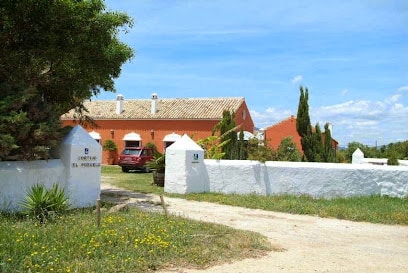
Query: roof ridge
[[167, 108], [291, 117], [200, 98]]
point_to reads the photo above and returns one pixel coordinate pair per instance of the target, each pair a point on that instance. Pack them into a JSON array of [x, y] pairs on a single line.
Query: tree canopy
[[54, 54]]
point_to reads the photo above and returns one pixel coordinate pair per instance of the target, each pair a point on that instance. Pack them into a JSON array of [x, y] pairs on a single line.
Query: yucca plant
[[42, 203]]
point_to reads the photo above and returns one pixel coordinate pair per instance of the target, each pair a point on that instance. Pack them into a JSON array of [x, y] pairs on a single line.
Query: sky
[[351, 55]]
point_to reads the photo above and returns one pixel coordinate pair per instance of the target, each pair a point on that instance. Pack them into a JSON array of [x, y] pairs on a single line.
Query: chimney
[[154, 104], [331, 129], [119, 104]]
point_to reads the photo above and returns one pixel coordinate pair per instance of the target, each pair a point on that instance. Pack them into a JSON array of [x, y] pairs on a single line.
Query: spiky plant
[[42, 203]]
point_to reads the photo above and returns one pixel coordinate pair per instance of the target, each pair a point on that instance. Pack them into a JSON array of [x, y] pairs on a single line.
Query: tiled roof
[[190, 108]]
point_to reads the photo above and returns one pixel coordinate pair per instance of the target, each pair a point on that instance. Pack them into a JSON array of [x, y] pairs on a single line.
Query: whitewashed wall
[[16, 177], [78, 172], [336, 180], [326, 180]]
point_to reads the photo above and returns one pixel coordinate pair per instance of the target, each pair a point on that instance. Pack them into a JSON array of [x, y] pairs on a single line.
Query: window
[[132, 143]]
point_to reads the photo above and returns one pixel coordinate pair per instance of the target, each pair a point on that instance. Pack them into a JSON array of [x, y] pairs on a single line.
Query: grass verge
[[374, 209], [134, 181], [132, 241]]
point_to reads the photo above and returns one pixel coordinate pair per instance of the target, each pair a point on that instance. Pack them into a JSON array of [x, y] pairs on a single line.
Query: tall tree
[[54, 54], [329, 154], [316, 145], [303, 125], [303, 118]]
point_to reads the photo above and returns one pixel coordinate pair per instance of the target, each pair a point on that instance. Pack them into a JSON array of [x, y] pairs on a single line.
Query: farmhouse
[[158, 120], [274, 134]]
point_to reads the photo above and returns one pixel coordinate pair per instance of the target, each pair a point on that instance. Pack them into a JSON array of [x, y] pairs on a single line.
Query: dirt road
[[311, 244]]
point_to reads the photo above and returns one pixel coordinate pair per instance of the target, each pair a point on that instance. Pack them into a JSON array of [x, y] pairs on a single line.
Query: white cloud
[[297, 79], [270, 116], [366, 121], [394, 98], [403, 88]]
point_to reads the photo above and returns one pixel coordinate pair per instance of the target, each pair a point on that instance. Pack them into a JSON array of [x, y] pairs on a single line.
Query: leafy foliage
[[260, 151], [392, 161], [54, 55], [109, 145], [287, 151], [212, 147], [228, 135], [42, 203], [158, 163]]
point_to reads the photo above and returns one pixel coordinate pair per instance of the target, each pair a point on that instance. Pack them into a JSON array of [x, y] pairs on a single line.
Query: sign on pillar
[[185, 168], [82, 156]]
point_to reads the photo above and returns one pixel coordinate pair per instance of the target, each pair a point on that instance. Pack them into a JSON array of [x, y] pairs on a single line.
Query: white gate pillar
[[82, 156], [185, 168]]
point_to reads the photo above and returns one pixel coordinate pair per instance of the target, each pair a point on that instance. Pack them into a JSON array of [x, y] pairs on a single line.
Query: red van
[[135, 158]]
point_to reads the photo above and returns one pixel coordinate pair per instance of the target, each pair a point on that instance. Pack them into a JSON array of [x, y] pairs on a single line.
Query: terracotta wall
[[274, 134], [243, 118]]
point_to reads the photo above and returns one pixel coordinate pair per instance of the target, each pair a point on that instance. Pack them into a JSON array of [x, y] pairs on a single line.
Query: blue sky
[[351, 55]]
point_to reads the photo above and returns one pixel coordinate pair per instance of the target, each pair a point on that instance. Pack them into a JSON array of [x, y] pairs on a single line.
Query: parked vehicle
[[135, 158]]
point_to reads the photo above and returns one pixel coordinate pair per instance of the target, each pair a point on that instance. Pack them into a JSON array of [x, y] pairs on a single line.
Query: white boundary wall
[[326, 180], [78, 172]]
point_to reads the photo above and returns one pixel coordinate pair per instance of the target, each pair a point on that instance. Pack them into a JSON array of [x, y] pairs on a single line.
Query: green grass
[[134, 181], [132, 241], [374, 209]]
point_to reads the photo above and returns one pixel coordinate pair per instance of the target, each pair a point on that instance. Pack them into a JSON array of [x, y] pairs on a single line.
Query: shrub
[[392, 160], [109, 145], [42, 203]]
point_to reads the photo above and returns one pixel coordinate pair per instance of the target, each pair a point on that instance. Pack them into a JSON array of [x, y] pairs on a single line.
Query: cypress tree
[[303, 118], [328, 152], [303, 126], [317, 145]]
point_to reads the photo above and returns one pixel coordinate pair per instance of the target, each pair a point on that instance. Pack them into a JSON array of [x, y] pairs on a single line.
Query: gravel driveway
[[310, 244]]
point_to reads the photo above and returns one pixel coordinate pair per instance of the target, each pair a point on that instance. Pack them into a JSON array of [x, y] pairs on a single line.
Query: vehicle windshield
[[131, 151]]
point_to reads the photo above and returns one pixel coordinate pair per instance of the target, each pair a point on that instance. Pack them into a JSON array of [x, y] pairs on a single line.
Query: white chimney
[[154, 104], [331, 129], [119, 104]]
